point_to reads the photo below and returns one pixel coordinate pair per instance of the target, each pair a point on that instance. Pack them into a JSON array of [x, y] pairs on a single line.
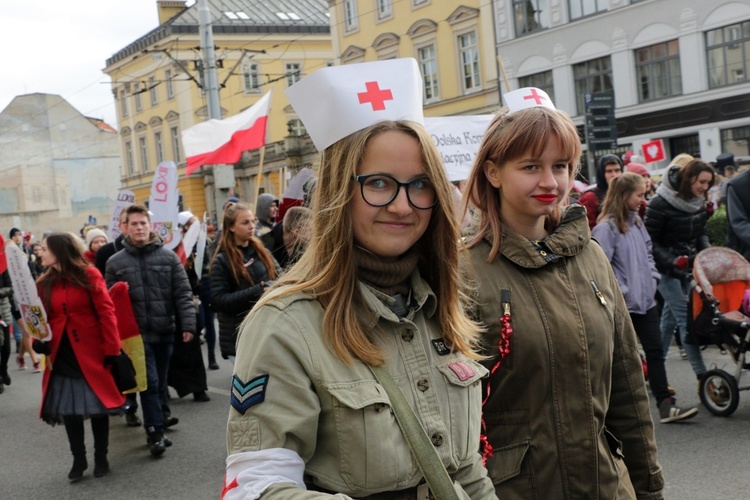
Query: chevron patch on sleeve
[[245, 395]]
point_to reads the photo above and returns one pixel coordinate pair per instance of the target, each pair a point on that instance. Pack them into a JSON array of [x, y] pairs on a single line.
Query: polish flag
[[215, 142]]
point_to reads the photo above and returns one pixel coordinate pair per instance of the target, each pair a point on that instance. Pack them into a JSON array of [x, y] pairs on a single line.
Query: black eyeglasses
[[379, 190]]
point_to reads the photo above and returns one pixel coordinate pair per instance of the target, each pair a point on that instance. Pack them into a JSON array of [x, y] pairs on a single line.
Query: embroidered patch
[[463, 371], [245, 395], [441, 347]]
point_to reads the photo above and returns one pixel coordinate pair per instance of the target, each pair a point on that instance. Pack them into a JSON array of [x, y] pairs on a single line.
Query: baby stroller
[[721, 278]]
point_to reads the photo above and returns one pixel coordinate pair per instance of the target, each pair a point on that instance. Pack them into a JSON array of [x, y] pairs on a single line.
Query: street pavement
[[702, 458]]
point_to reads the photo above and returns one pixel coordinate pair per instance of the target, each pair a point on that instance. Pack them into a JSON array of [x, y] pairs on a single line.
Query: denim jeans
[[647, 328], [675, 314], [157, 366]]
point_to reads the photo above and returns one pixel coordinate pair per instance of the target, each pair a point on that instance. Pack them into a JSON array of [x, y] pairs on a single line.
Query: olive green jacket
[[336, 416], [568, 414]]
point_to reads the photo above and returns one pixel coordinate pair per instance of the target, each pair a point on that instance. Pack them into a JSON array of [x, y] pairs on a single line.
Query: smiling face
[[391, 230], [531, 188], [637, 197], [701, 184]]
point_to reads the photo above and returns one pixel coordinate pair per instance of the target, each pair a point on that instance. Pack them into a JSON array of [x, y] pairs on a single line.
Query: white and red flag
[[337, 101], [215, 142]]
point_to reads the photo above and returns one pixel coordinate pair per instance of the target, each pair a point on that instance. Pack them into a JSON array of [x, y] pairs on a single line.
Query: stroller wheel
[[719, 392]]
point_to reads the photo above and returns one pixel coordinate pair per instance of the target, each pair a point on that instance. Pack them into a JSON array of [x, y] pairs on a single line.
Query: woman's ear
[[492, 172]]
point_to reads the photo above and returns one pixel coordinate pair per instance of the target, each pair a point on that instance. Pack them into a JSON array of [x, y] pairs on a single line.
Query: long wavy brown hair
[[68, 250], [228, 246], [616, 203], [327, 269], [511, 136]]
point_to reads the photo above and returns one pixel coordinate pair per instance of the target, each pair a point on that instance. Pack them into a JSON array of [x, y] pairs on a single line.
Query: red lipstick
[[545, 198]]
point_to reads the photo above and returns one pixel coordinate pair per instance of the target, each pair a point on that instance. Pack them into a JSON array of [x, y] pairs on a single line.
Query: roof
[[240, 17]]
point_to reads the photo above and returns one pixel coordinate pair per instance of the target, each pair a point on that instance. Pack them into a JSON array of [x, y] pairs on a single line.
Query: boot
[[74, 430], [155, 441], [212, 365], [100, 427]]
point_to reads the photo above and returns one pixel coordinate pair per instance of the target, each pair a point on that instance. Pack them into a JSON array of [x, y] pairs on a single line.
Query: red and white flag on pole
[[214, 142]]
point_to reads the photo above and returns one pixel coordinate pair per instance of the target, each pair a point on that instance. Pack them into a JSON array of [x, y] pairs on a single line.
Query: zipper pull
[[598, 294], [505, 299]]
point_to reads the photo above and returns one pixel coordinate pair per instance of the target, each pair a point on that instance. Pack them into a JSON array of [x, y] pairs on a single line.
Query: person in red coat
[[78, 383]]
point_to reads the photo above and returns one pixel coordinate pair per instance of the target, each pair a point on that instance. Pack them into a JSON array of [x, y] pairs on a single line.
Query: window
[[736, 140], [531, 15], [685, 144], [123, 103], [658, 70], [129, 164], [385, 8], [428, 67], [351, 22], [137, 95], [582, 8], [152, 93], [541, 81], [292, 73], [728, 54], [419, 3], [469, 57], [296, 128], [592, 76], [250, 78], [159, 147], [170, 84], [175, 136], [143, 152]]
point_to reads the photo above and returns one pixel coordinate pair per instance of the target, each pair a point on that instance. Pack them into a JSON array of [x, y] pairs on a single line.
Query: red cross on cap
[[375, 96], [537, 98]]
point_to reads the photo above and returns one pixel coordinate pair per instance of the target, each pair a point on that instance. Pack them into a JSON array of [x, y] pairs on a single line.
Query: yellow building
[[157, 82], [451, 41]]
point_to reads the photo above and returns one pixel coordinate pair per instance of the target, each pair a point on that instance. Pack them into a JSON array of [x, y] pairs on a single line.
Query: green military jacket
[[568, 414], [337, 417]]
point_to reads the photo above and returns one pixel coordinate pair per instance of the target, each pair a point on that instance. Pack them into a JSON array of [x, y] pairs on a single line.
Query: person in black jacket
[[111, 248], [738, 213], [241, 270], [676, 221], [607, 168], [161, 295]]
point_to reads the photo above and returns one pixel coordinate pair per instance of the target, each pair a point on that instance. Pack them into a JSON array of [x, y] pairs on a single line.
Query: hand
[[681, 262], [41, 347], [187, 336], [110, 360]]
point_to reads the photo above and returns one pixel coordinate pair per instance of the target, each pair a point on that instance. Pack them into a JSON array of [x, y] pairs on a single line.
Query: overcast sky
[[60, 47]]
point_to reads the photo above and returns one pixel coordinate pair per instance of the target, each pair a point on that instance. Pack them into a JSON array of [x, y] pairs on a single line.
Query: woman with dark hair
[[240, 271], [77, 383], [676, 221]]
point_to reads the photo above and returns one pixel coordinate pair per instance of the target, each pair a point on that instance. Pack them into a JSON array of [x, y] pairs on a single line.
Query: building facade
[[157, 81], [679, 70], [451, 41], [57, 167]]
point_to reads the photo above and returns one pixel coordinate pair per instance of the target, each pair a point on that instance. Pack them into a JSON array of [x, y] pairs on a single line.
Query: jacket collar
[[570, 237], [377, 302], [154, 242]]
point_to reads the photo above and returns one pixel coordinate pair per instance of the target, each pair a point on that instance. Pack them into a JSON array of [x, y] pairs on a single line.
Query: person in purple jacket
[[624, 239]]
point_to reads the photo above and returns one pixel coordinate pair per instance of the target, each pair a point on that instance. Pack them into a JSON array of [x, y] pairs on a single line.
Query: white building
[[678, 68]]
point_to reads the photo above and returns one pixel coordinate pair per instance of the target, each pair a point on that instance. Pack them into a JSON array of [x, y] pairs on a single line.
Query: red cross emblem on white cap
[[375, 96], [527, 97]]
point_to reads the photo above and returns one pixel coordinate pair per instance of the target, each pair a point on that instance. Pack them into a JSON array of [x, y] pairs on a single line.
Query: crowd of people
[[372, 355]]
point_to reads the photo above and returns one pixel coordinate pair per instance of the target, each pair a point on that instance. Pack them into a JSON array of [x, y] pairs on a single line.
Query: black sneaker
[[6, 378], [132, 420], [170, 421], [670, 412], [156, 443], [201, 397]]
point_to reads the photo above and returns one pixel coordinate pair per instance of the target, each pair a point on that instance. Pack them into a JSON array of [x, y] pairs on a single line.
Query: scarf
[[690, 206], [391, 278]]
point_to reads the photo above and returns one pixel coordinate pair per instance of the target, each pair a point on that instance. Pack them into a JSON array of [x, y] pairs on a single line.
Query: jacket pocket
[[373, 454], [511, 471], [464, 391]]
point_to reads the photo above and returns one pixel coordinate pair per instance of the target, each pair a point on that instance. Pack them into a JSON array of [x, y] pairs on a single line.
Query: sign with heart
[[653, 151]]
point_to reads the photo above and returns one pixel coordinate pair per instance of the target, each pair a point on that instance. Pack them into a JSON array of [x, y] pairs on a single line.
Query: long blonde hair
[[327, 269], [616, 203], [508, 137]]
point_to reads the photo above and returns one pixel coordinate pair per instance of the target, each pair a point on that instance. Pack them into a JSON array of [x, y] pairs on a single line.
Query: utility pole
[[223, 174]]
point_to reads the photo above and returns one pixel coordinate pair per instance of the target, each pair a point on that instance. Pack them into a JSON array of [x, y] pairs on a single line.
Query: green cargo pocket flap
[[358, 395], [505, 463]]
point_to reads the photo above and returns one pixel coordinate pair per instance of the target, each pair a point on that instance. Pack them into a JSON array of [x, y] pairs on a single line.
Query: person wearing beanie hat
[[607, 168], [95, 239], [266, 210], [16, 235], [640, 169], [183, 218]]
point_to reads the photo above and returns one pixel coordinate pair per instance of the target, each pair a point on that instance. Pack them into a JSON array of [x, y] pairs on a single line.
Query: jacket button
[[408, 335], [423, 384], [437, 439], [379, 407], [580, 237]]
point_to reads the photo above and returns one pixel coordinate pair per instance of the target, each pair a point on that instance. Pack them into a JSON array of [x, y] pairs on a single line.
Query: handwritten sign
[[164, 204], [33, 317]]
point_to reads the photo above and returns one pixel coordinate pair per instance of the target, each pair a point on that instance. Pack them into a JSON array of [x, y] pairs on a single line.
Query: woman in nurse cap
[[378, 287]]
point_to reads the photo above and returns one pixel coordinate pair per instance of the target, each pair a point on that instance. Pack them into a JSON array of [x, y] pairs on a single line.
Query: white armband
[[250, 473]]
